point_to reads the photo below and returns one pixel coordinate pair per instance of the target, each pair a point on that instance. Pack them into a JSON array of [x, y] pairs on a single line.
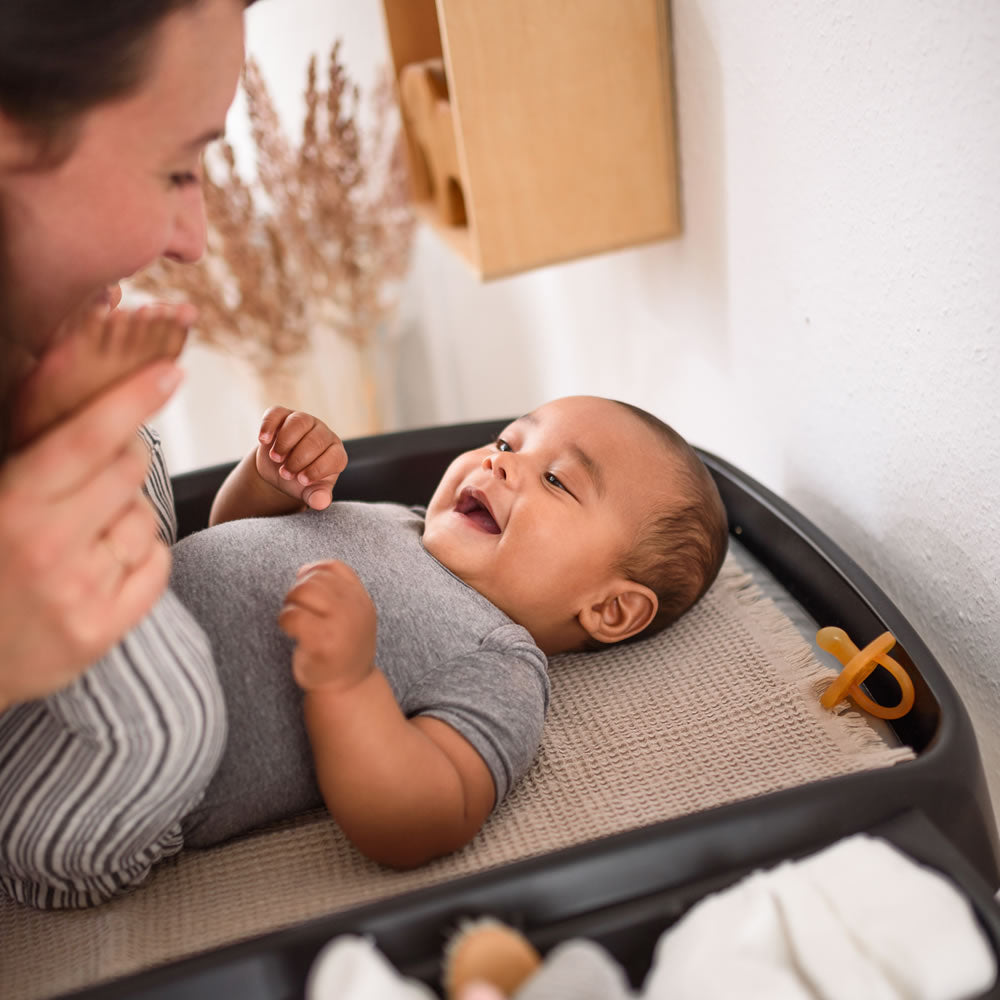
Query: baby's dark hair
[[680, 548]]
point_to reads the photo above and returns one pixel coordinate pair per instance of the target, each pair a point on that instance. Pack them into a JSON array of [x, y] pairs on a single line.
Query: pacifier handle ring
[[857, 666], [906, 693]]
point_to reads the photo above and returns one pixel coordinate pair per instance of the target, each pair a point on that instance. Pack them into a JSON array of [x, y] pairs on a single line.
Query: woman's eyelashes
[[185, 178]]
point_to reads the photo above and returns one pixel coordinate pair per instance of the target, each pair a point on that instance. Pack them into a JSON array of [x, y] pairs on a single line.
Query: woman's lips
[[109, 296], [474, 505]]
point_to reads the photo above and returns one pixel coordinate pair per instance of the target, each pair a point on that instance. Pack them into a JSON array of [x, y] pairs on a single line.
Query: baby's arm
[[295, 464], [403, 790]]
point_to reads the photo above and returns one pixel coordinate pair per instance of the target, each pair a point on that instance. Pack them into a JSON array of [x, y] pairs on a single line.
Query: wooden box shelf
[[537, 130]]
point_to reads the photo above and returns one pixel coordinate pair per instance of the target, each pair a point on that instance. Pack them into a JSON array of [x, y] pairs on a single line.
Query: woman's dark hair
[[59, 58]]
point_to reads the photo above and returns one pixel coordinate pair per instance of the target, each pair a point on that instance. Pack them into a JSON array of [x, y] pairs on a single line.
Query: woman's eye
[[553, 480], [183, 179], [502, 445]]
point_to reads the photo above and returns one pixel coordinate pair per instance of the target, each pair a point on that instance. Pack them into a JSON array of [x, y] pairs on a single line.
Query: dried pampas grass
[[316, 244]]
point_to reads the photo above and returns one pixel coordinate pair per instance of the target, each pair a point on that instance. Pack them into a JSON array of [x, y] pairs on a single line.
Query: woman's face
[[129, 191]]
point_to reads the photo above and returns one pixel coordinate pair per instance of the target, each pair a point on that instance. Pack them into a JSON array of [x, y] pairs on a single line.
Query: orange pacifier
[[858, 664]]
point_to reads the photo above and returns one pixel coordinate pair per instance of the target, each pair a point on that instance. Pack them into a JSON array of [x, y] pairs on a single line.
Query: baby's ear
[[626, 611]]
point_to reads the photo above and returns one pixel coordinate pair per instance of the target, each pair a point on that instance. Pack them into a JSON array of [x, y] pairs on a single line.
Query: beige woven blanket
[[721, 707]]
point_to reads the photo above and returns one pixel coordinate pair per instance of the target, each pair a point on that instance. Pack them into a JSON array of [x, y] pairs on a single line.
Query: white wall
[[830, 320]]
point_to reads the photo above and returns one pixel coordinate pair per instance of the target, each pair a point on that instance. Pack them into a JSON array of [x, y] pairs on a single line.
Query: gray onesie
[[446, 651]]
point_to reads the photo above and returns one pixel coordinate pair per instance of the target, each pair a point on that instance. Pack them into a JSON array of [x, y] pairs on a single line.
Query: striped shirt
[[95, 778]]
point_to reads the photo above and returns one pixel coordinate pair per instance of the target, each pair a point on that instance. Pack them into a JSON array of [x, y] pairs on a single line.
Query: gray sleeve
[[496, 697]]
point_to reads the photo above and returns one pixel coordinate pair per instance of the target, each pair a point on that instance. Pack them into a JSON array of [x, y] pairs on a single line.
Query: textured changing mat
[[721, 707]]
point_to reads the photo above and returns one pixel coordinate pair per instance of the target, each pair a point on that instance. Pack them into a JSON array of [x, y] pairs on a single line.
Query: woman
[[105, 108]]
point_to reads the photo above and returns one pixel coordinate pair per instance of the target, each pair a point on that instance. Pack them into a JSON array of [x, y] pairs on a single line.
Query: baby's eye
[[553, 480], [502, 445]]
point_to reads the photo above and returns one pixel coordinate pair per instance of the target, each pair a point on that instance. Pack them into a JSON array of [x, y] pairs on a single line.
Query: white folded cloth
[[577, 970], [857, 921], [352, 968]]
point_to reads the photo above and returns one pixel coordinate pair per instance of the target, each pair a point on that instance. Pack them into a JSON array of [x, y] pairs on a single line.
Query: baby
[[420, 638], [417, 638]]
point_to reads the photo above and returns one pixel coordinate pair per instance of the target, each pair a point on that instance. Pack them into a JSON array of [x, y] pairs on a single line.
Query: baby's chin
[[570, 637]]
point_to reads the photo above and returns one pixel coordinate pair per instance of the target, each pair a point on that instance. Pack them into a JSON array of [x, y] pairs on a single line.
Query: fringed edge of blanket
[[852, 730]]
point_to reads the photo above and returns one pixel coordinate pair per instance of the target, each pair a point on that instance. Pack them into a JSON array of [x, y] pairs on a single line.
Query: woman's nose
[[187, 241]]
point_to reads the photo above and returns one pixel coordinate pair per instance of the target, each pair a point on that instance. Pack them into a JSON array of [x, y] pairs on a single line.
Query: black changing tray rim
[[405, 466]]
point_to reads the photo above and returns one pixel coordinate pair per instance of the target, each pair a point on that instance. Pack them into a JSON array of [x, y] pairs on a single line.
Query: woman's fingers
[[64, 459], [43, 531], [127, 542], [64, 605], [69, 557], [82, 630], [139, 588], [77, 482], [112, 596], [80, 558]]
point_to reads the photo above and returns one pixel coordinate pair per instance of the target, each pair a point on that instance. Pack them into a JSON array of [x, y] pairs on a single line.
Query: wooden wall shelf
[[538, 130]]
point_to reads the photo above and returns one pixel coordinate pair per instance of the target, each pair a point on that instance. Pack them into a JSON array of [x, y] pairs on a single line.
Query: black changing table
[[623, 891]]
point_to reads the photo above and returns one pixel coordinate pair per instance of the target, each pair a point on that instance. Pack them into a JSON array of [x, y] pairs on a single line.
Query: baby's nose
[[494, 464]]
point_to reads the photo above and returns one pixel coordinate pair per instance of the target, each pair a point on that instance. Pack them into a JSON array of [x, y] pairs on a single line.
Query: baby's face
[[539, 520]]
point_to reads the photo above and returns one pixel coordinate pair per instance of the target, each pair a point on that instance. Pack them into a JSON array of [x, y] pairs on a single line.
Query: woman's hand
[[80, 557]]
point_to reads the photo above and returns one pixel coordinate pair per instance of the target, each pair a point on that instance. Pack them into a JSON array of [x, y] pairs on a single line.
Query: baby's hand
[[332, 620], [299, 455]]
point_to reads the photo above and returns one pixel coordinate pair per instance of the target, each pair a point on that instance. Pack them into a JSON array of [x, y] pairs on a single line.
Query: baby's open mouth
[[474, 508]]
